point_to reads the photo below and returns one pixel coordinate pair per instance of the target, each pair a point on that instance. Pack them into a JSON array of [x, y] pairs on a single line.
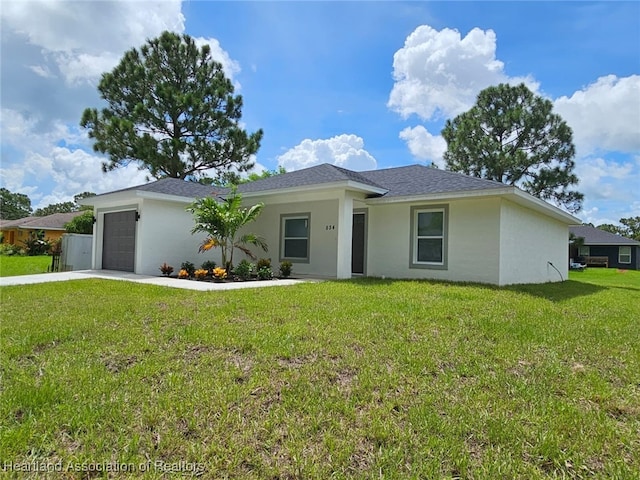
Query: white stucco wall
[[164, 235], [528, 241], [323, 231], [473, 242]]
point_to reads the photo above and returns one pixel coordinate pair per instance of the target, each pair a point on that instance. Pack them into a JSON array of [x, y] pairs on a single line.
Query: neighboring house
[[604, 249], [405, 222], [17, 231]]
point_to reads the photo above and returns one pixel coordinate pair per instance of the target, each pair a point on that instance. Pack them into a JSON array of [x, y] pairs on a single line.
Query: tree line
[[170, 109]]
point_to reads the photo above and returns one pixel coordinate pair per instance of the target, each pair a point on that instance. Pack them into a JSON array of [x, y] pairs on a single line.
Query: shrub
[[219, 273], [9, 249], [285, 268], [201, 274], [189, 267], [263, 262], [36, 243], [83, 223], [166, 269], [183, 274], [244, 269], [265, 273], [209, 265], [56, 247]]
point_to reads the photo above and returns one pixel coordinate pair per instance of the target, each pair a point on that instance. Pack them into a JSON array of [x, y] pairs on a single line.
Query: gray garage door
[[119, 241]]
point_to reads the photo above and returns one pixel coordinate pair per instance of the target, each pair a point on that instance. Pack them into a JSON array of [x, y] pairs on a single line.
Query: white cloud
[[230, 67], [41, 160], [83, 48], [423, 145], [604, 179], [439, 73], [62, 48], [343, 150], [609, 186], [605, 115], [42, 71]]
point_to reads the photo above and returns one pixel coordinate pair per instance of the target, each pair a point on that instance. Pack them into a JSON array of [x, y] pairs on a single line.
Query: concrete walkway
[[148, 279]]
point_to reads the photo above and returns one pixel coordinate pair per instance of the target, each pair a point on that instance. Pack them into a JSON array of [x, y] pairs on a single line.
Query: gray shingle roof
[[411, 180], [54, 221], [173, 186], [595, 236], [319, 174], [420, 180]]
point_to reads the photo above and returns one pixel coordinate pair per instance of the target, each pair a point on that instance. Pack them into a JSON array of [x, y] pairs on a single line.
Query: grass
[[23, 265], [349, 379]]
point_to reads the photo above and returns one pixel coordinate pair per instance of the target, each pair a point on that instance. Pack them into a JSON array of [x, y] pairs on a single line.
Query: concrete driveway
[[148, 279]]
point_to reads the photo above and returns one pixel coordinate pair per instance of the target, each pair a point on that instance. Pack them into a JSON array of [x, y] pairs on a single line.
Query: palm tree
[[222, 220]]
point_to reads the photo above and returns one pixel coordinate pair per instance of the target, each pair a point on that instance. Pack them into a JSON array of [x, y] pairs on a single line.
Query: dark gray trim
[[365, 212], [284, 216], [445, 240]]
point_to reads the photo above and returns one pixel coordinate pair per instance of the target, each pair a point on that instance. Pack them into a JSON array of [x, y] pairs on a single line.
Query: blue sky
[[360, 84]]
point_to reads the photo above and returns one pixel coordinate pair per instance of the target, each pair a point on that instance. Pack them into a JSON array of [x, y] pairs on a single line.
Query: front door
[[358, 243]]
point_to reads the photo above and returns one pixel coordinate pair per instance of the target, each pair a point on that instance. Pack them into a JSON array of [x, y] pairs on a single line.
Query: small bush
[[9, 249], [183, 274], [244, 269], [265, 273], [201, 274], [219, 273], [56, 247], [285, 268], [83, 223], [263, 262], [209, 265], [36, 244], [189, 267], [166, 269]]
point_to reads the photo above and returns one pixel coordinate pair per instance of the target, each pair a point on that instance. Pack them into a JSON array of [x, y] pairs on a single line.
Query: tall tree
[[512, 136], [232, 178], [14, 205], [81, 196], [171, 109], [631, 227], [611, 228], [64, 207]]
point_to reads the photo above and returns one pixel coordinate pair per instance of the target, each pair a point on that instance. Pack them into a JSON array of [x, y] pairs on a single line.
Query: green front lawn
[[347, 379], [23, 265]]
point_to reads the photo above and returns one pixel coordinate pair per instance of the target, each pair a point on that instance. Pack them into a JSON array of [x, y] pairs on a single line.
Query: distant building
[[604, 249]]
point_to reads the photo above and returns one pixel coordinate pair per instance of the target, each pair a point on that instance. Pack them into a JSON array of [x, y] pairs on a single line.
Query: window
[[295, 237], [624, 254], [583, 251], [429, 237]]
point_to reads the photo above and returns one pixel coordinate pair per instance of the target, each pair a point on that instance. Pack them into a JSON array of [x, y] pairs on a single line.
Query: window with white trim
[[624, 254], [584, 251], [294, 244], [429, 237]]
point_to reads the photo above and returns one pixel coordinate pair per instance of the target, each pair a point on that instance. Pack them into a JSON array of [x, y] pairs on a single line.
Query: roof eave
[[165, 197], [613, 244], [512, 193], [441, 196], [345, 184], [528, 200], [39, 227]]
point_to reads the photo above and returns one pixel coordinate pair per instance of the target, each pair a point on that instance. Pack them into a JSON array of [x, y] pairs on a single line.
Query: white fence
[[76, 252]]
